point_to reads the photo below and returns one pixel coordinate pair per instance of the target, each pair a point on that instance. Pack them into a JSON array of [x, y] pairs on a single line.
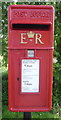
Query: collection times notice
[[30, 75]]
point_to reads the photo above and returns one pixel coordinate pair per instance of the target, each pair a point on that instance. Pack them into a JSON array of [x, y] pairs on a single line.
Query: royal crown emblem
[[30, 34]]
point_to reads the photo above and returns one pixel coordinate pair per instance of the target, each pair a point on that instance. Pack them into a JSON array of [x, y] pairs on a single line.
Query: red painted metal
[[38, 19]]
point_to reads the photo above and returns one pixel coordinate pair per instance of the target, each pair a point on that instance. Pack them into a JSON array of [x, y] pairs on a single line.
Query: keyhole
[[17, 78]]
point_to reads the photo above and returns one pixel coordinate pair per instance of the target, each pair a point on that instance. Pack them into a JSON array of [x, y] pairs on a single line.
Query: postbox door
[[42, 98]]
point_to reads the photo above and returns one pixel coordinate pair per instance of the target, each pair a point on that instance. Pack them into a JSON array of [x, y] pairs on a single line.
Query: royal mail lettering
[[28, 13]]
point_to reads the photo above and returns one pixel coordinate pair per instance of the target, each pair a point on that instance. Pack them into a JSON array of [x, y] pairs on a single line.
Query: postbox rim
[[31, 6]]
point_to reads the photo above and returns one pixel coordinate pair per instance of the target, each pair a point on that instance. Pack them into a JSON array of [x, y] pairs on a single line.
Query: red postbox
[[30, 57]]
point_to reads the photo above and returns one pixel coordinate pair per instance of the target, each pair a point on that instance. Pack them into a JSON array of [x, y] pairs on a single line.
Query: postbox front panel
[[30, 60]]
